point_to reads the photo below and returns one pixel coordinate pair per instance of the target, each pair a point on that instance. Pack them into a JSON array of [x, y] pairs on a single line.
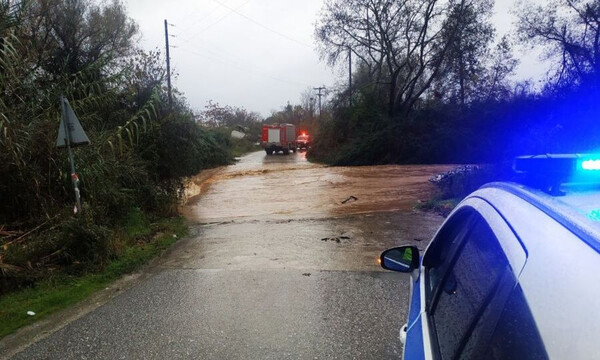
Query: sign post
[[70, 133]]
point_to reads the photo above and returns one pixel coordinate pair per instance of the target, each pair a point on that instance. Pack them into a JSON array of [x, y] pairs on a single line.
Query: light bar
[[549, 165], [549, 171], [590, 165]]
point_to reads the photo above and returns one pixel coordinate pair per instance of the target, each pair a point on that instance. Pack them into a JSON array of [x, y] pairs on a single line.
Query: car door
[[468, 271]]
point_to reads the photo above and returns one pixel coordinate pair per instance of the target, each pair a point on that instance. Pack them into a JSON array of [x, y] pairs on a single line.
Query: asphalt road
[[276, 267]]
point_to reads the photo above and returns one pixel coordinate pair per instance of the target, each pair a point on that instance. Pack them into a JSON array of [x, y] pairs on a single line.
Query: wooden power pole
[[168, 65], [319, 89], [350, 75]]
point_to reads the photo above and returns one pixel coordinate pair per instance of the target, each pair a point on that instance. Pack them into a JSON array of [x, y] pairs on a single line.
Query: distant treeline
[[432, 82]]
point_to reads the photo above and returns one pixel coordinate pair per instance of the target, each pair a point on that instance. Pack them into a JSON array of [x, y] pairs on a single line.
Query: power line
[[211, 11], [244, 68], [218, 20], [261, 25]]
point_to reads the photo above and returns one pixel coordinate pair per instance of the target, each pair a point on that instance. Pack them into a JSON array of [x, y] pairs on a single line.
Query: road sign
[[70, 133], [72, 130]]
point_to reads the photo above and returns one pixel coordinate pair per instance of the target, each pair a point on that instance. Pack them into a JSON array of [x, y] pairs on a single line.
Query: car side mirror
[[401, 259]]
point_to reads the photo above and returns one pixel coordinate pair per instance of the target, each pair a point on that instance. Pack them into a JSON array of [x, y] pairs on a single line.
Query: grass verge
[[60, 291], [240, 147], [439, 206]]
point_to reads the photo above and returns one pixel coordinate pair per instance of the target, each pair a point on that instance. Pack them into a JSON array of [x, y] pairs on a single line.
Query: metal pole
[[168, 65], [74, 177]]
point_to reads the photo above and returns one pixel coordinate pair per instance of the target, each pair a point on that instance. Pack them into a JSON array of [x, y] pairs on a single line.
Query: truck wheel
[[269, 152], [294, 149], [286, 151]]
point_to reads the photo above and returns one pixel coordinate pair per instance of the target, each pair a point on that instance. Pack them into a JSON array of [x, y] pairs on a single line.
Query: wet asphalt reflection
[[280, 265]]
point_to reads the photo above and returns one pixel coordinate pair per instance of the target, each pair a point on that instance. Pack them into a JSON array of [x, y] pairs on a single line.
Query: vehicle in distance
[[279, 137], [513, 272], [303, 141]]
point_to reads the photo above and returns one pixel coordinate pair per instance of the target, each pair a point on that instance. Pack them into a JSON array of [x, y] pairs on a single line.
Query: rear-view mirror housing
[[400, 259]]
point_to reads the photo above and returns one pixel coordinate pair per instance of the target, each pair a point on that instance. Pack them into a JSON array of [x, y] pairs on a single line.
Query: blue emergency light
[[589, 165], [549, 171]]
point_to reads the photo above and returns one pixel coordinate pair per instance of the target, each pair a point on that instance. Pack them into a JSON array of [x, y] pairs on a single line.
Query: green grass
[[241, 147], [60, 291], [440, 206]]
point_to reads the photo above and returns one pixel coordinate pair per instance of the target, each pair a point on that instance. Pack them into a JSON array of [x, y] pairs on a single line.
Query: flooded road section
[[280, 264], [261, 186], [283, 212]]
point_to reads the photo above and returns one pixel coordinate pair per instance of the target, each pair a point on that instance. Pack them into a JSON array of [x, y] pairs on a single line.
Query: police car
[[514, 271]]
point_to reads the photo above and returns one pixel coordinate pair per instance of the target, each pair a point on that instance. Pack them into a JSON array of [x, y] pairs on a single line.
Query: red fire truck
[[279, 137]]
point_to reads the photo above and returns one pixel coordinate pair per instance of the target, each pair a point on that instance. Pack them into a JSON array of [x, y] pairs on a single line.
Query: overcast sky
[[256, 54]]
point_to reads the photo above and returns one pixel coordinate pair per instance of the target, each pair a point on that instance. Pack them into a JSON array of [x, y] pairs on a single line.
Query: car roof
[[560, 237], [578, 209]]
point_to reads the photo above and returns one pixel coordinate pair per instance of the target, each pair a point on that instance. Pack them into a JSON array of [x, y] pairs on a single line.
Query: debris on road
[[352, 197], [336, 239]]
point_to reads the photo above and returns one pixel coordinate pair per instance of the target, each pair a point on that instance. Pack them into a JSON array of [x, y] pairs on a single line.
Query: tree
[[70, 35], [404, 44], [144, 71], [308, 101], [495, 84], [216, 115], [469, 34], [569, 31]]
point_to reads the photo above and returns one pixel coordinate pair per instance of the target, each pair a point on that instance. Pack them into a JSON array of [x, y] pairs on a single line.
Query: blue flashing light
[[550, 171], [590, 165]]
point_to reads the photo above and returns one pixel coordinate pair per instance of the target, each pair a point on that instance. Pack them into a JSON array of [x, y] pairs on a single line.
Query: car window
[[466, 288], [516, 335], [445, 244]]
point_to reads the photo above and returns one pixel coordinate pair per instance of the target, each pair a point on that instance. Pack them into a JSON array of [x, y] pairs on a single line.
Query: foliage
[[462, 106], [303, 116], [463, 180], [232, 118], [58, 290], [569, 31], [141, 149], [405, 45], [464, 69]]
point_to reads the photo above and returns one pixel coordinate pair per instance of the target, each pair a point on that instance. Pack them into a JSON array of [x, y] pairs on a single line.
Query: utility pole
[[168, 65], [350, 75], [319, 89]]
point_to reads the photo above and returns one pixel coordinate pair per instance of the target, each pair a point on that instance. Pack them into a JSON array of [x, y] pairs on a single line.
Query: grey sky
[[259, 56]]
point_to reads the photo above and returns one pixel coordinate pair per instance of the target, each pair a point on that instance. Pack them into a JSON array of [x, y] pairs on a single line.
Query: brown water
[[280, 187]]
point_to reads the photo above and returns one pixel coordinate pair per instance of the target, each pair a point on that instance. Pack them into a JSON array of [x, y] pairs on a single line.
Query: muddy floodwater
[[280, 264], [284, 212], [283, 186]]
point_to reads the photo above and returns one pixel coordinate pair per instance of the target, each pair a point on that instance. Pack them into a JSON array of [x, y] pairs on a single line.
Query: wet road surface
[[276, 267]]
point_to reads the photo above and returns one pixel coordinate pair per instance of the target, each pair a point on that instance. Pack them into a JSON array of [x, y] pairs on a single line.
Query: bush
[[460, 182]]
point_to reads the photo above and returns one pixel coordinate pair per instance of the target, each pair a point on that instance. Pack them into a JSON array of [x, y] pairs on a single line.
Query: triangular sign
[[72, 130]]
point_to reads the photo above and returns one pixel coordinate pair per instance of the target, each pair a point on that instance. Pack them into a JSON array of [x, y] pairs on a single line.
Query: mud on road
[[284, 212]]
